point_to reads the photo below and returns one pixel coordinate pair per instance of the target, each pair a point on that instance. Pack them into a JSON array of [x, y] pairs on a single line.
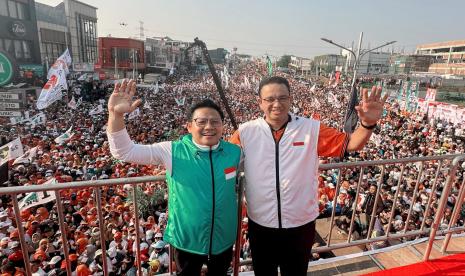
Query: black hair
[[204, 104], [271, 80]]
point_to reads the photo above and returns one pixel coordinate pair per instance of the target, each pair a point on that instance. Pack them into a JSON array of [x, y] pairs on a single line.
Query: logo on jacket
[[298, 144], [230, 173]]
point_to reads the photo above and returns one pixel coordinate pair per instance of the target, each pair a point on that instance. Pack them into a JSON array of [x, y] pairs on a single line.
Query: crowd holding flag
[[51, 91], [65, 136]]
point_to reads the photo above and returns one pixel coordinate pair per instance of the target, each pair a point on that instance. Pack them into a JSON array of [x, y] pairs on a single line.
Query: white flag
[[37, 119], [52, 89], [79, 102], [134, 114], [180, 102], [62, 63], [97, 110], [10, 151], [27, 157], [65, 136], [72, 103], [37, 198]]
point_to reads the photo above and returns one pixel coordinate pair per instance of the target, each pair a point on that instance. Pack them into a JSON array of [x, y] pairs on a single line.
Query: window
[[26, 50], [3, 8], [18, 49], [9, 46], [12, 9], [49, 50], [23, 12]]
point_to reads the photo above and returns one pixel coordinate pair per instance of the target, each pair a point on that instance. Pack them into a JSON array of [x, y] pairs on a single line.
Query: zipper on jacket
[[213, 203], [278, 190]]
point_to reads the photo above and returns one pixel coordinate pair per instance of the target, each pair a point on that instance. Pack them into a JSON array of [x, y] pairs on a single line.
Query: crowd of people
[[86, 156]]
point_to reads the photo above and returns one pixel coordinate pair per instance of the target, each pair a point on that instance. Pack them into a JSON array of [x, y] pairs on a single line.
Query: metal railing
[[448, 163]]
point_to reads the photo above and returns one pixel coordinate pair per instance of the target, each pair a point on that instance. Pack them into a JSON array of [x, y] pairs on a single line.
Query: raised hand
[[121, 100], [371, 107]]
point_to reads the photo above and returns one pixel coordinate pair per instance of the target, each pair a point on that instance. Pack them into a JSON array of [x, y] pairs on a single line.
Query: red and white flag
[[230, 173]]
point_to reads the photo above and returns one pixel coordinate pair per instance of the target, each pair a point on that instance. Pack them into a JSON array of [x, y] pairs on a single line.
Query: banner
[[10, 151], [37, 198], [430, 94]]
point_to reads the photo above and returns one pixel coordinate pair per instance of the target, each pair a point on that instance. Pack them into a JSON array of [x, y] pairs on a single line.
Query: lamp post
[[359, 53], [357, 57]]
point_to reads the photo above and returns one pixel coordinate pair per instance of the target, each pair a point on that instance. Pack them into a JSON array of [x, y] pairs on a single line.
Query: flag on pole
[[96, 110], [146, 105], [269, 66], [51, 91], [351, 118], [62, 63], [134, 114], [37, 198], [65, 136], [72, 103], [11, 151], [27, 157]]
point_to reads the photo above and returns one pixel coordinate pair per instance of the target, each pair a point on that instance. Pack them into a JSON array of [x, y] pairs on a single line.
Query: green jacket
[[202, 205]]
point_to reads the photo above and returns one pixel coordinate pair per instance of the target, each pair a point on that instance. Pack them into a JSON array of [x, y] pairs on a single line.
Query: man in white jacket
[[281, 164]]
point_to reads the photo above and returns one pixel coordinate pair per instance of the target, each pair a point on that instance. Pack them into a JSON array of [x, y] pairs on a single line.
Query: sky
[[259, 27]]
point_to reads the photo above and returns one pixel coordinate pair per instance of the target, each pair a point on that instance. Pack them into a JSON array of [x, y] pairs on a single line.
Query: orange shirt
[[82, 270], [331, 143]]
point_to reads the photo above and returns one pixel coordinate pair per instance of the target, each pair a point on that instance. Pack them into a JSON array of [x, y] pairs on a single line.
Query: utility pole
[[116, 63], [141, 30], [133, 63]]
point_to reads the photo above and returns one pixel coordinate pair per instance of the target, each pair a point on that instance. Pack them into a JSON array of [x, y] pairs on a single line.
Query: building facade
[[163, 53], [120, 57], [327, 64], [448, 56], [300, 64], [53, 32], [71, 24], [18, 36], [405, 64], [374, 63]]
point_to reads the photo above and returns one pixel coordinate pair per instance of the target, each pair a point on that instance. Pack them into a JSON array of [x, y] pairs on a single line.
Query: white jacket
[[293, 201]]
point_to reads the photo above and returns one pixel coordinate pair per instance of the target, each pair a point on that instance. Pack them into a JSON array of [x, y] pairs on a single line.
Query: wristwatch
[[368, 127]]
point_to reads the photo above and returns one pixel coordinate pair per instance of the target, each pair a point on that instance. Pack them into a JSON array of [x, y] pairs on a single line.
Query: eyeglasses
[[281, 99], [202, 122]]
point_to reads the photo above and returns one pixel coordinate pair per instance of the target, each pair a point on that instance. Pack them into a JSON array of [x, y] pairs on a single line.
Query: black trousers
[[289, 248], [189, 264]]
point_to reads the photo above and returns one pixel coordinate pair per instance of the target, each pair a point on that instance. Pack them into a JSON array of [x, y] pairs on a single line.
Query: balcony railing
[[450, 164]]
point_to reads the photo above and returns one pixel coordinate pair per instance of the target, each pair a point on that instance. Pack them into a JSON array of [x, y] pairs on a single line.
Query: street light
[[357, 59]]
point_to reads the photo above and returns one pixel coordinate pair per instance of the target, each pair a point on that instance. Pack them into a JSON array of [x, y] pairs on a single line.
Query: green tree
[[284, 61]]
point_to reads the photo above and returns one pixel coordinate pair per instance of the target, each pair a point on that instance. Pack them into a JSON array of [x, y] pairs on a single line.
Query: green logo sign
[[6, 70]]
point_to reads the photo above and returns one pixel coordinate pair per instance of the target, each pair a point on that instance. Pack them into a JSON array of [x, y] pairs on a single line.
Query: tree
[[284, 61]]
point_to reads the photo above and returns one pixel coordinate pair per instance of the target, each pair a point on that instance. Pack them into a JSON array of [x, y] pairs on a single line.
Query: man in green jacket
[[201, 172]]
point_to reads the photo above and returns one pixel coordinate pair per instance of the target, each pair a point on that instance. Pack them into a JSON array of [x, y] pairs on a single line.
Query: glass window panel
[[4, 7], [26, 49], [49, 50], [12, 9], [9, 46], [22, 11], [18, 49]]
